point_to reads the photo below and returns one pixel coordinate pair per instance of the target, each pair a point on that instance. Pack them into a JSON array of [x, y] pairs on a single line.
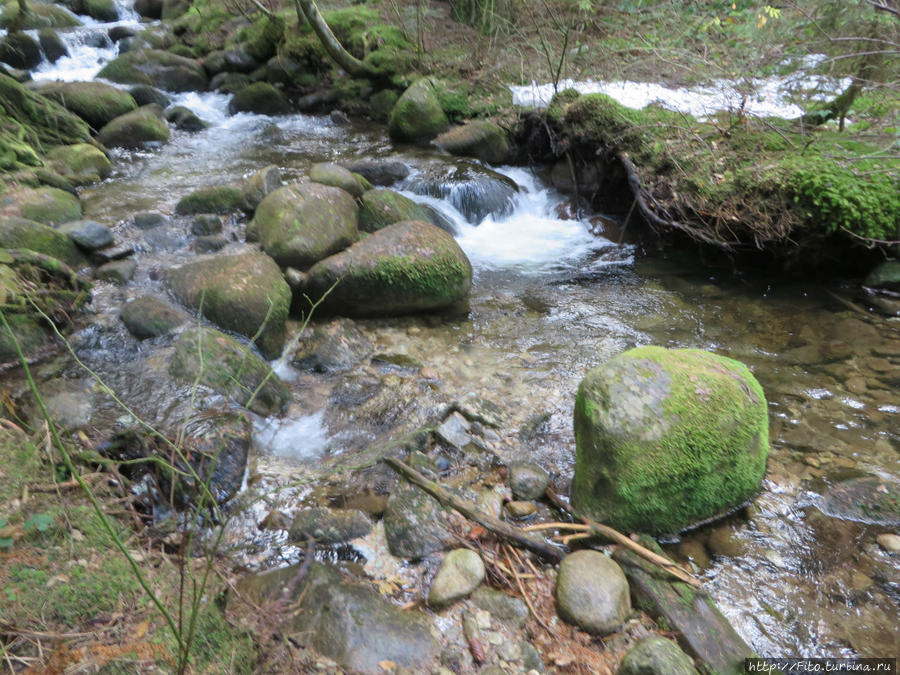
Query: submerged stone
[[329, 526]]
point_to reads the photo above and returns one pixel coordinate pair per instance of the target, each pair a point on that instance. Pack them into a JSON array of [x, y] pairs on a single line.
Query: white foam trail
[[301, 438]]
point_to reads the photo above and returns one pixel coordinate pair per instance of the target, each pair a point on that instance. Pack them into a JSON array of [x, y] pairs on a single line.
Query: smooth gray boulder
[[592, 592]]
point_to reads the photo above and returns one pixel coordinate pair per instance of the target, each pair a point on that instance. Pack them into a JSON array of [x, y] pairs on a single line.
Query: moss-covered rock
[[135, 129], [81, 164], [229, 83], [336, 176], [381, 103], [655, 655], [20, 50], [480, 139], [263, 182], [94, 102], [52, 45], [667, 438], [144, 94], [104, 11], [157, 68], [417, 114], [28, 234], [50, 206], [221, 199], [408, 267], [28, 333], [245, 293], [149, 9], [381, 207], [299, 225], [172, 9], [185, 119], [260, 98], [148, 317], [40, 15], [222, 363]]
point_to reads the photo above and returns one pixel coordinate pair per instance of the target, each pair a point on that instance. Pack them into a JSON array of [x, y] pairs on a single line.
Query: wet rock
[[245, 293], [475, 191], [382, 207], [885, 275], [149, 9], [239, 60], [135, 129], [40, 15], [116, 252], [417, 115], [527, 480], [413, 523], [96, 103], [229, 368], [103, 11], [69, 409], [508, 609], [299, 225], [454, 431], [156, 68], [592, 592], [260, 184], [54, 48], [437, 218], [24, 233], [477, 409], [329, 526], [119, 272], [81, 163], [655, 655], [520, 509], [220, 199], [461, 572], [490, 502], [209, 243], [479, 139], [889, 542], [867, 499], [20, 50], [725, 541], [50, 206], [260, 98], [404, 268], [379, 172], [206, 223], [146, 220], [144, 94], [184, 119], [335, 176], [117, 33], [349, 623], [88, 234], [331, 347], [148, 317], [229, 83], [667, 438]]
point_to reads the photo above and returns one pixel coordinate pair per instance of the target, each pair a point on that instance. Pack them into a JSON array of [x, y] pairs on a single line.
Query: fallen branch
[[503, 530], [592, 528]]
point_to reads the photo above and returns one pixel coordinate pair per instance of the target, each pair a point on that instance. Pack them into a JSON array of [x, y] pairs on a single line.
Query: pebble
[[889, 542], [461, 572]]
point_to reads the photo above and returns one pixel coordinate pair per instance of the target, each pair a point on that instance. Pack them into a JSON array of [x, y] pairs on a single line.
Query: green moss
[[40, 15], [223, 199], [382, 207], [50, 205], [262, 37], [94, 102]]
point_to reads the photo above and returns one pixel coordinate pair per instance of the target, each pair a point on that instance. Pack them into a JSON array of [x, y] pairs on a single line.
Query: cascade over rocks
[[299, 225], [667, 438], [244, 292], [475, 191], [156, 68], [407, 267]]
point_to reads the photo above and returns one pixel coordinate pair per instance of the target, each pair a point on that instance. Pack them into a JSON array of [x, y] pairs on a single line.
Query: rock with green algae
[[49, 205], [481, 139], [299, 225], [157, 68], [225, 365], [655, 655], [407, 267], [28, 333], [20, 50], [94, 102], [220, 199], [667, 438], [417, 115], [52, 45], [335, 176], [260, 98], [81, 163], [40, 15], [245, 293], [381, 207], [885, 275], [262, 183], [149, 317], [104, 11], [135, 129]]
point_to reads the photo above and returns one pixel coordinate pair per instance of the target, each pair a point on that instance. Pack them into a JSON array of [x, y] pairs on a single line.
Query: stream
[[798, 572]]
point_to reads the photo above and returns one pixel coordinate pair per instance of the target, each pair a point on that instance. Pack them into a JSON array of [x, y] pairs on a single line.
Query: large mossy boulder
[[135, 129], [104, 11], [245, 293], [336, 176], [299, 225], [225, 365], [50, 206], [20, 50], [479, 139], [407, 267], [381, 207], [149, 317], [345, 621], [40, 15], [418, 115], [157, 68], [667, 438], [260, 98], [94, 102], [220, 199], [28, 234], [80, 164]]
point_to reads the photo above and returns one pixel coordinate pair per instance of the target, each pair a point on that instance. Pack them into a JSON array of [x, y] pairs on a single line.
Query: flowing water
[[550, 300]]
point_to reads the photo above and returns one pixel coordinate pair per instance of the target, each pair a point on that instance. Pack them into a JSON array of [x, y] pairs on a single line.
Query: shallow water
[[549, 301]]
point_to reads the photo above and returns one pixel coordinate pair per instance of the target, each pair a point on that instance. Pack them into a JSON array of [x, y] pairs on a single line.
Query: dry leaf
[[141, 629]]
